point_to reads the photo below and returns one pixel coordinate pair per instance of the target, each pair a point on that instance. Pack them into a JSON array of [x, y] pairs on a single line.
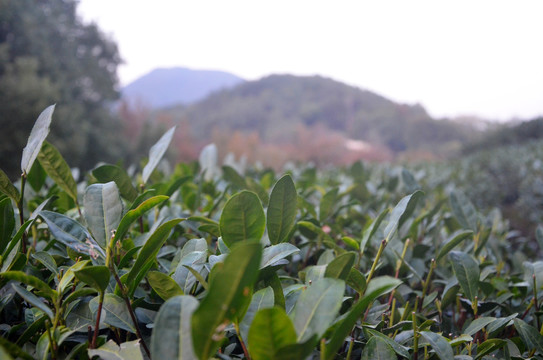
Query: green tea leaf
[[232, 176], [401, 212], [370, 231], [281, 213], [274, 254], [440, 345], [172, 333], [7, 187], [356, 280], [164, 285], [156, 153], [33, 300], [228, 290], [262, 299], [46, 260], [463, 210], [529, 335], [242, 219], [378, 349], [130, 350], [116, 312], [71, 233], [39, 132], [398, 349], [7, 223], [103, 211], [317, 307], [454, 240], [466, 270], [56, 167], [341, 266], [96, 276], [149, 251], [107, 173], [32, 281], [132, 215], [327, 204], [489, 346], [270, 331], [377, 287], [66, 279]]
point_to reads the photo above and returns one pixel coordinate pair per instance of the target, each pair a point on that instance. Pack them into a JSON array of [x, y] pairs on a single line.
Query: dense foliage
[[232, 263], [47, 55]]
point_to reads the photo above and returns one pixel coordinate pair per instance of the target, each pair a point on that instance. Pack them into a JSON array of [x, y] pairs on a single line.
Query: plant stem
[[97, 326], [238, 333], [427, 282], [377, 257], [131, 312], [415, 337], [20, 207]]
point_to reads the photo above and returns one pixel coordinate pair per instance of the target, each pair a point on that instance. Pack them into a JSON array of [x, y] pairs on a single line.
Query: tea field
[[207, 261]]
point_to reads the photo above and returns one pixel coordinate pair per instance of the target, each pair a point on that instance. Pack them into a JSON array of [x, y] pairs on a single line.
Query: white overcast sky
[[458, 57]]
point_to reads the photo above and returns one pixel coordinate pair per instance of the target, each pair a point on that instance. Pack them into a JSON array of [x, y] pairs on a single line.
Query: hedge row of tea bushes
[[221, 262]]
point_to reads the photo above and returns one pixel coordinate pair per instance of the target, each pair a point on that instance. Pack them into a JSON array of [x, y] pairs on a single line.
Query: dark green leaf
[[96, 276], [270, 331], [7, 223], [172, 333], [454, 240], [33, 300], [56, 167], [317, 307], [103, 211], [39, 132], [115, 312], [242, 219], [463, 211], [370, 231], [341, 266], [156, 153], [107, 173], [356, 280], [130, 350], [7, 187], [529, 335], [32, 281], [228, 290], [398, 349], [378, 349], [46, 260], [281, 213], [489, 346], [440, 345], [164, 285], [466, 270], [275, 253], [262, 299], [401, 212], [328, 203]]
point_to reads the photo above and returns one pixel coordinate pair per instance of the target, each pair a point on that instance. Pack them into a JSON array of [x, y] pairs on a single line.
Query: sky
[[456, 58]]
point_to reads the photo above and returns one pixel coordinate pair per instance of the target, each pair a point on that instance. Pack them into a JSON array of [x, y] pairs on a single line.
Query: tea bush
[[207, 262]]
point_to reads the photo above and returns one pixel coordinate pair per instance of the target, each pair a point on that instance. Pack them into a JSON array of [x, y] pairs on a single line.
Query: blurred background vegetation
[[48, 55]]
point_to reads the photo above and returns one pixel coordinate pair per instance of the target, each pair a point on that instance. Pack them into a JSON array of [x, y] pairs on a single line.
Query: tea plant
[[208, 262]]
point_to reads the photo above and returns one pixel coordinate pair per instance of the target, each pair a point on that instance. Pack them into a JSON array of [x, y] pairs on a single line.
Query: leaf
[[370, 231], [275, 253], [132, 215], [327, 204], [13, 349], [156, 153], [107, 173], [7, 187], [454, 240], [71, 233], [242, 219], [341, 266], [96, 276], [463, 210], [398, 349], [149, 251], [262, 299], [32, 281], [440, 345], [103, 211], [130, 350], [208, 162], [466, 270], [46, 260], [401, 212], [317, 307], [172, 333], [56, 167], [270, 331], [489, 346], [232, 176], [478, 324], [356, 280], [281, 213], [33, 300], [529, 335], [7, 223], [164, 285], [116, 312], [378, 349], [377, 287], [66, 280], [228, 290], [39, 132]]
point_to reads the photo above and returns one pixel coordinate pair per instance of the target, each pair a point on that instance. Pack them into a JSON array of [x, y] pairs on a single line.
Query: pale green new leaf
[[262, 299], [39, 132], [7, 187], [156, 153], [270, 331], [56, 167]]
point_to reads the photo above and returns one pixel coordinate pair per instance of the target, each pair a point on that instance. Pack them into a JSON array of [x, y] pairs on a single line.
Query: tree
[[47, 55]]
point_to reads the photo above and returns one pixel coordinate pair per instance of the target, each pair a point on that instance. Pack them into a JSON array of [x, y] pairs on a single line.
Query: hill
[[282, 109], [166, 87]]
